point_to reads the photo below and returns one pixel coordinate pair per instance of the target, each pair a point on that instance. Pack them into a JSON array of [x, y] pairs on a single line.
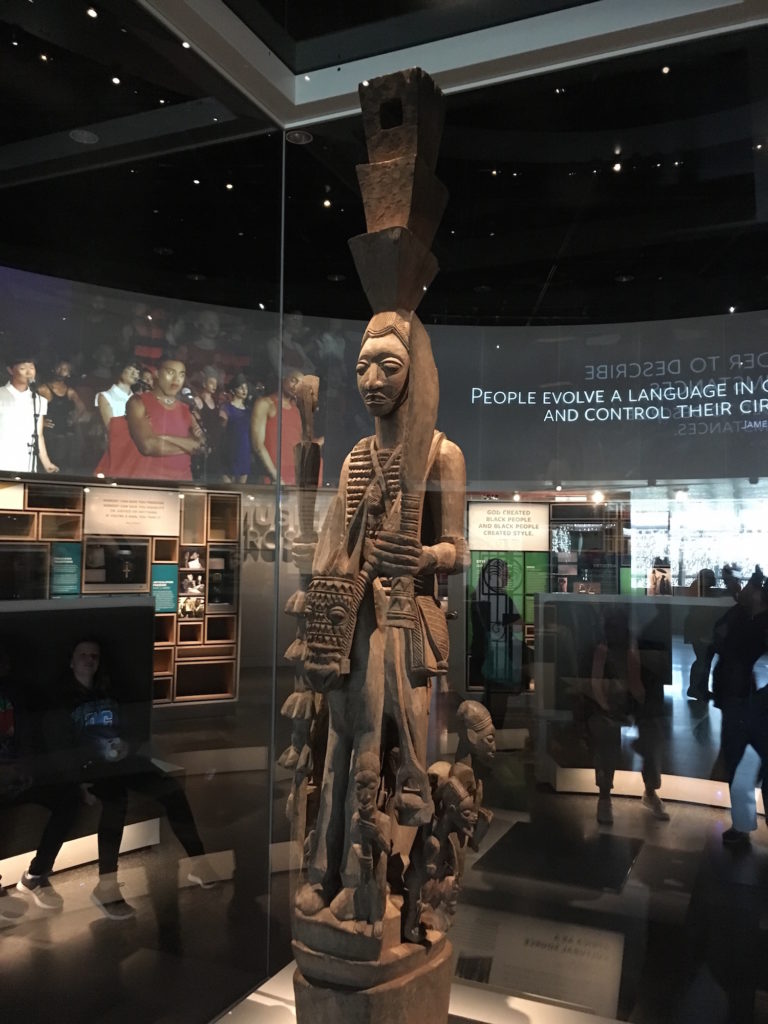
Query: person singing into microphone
[[22, 413]]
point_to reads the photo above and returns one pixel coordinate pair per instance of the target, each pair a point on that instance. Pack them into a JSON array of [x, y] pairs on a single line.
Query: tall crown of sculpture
[[404, 201]]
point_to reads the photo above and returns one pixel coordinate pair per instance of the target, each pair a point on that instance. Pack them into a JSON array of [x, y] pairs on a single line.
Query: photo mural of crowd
[[163, 394]]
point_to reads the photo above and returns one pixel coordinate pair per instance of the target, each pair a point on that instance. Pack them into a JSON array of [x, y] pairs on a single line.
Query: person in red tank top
[[163, 429], [264, 422]]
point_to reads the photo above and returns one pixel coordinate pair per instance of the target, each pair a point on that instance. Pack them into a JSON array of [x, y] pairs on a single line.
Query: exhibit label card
[[121, 511], [165, 586], [66, 558], [508, 526]]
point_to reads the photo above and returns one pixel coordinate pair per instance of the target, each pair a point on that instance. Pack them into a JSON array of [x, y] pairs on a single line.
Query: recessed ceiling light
[[84, 137], [186, 45], [336, 278], [298, 137], [195, 181], [307, 78], [665, 70], [516, 496], [229, 186], [92, 12], [326, 203], [624, 278], [115, 80], [731, 309], [44, 56], [365, 82], [494, 172], [196, 277], [558, 487], [162, 102], [616, 167], [262, 306], [597, 497]]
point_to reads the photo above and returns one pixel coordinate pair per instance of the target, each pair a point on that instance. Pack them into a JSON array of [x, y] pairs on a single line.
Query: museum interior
[[186, 335]]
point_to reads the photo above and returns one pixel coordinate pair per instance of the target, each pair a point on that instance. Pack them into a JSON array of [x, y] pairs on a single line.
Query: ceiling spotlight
[[84, 137], [298, 137], [229, 186], [307, 78], [162, 102], [731, 309], [44, 57], [186, 45], [365, 82], [665, 70], [516, 496], [92, 12], [195, 181], [558, 487], [115, 80], [14, 42], [262, 306], [326, 203], [617, 167], [597, 497], [494, 172]]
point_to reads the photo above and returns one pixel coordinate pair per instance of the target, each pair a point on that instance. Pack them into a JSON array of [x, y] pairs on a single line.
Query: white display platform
[[273, 1003]]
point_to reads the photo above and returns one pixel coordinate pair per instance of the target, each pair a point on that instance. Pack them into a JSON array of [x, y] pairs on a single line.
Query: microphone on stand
[[32, 385]]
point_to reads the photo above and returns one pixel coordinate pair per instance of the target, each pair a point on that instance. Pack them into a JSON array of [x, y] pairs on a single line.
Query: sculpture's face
[[366, 786], [483, 742], [382, 373]]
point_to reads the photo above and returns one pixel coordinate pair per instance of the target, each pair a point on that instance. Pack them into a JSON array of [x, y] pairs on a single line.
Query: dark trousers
[[151, 782], [63, 802]]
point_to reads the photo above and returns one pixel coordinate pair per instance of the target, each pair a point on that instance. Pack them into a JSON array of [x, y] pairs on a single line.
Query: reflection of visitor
[[740, 639], [236, 444], [95, 749], [562, 584], [22, 414], [660, 582], [697, 631], [616, 692], [264, 429], [163, 429]]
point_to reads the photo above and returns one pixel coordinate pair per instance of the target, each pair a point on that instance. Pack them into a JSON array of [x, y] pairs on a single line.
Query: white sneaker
[[202, 874], [656, 806], [41, 891]]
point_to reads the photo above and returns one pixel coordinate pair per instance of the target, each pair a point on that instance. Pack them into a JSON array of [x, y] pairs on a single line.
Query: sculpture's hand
[[397, 555]]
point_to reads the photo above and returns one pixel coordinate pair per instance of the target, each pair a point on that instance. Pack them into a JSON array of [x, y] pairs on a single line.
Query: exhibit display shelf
[[273, 1003]]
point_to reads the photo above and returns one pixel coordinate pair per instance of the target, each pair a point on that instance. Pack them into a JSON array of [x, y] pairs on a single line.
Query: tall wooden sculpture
[[385, 832]]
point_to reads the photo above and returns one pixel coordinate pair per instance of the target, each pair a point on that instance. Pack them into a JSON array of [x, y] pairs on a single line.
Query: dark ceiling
[[307, 35], [554, 236]]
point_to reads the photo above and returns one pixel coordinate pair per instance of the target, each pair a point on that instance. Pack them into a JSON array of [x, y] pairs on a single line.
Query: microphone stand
[[34, 445]]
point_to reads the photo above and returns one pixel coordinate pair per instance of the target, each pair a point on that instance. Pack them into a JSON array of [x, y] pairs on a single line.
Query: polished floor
[[656, 923]]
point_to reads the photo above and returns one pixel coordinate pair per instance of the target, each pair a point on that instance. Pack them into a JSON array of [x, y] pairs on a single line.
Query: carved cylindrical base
[[420, 996]]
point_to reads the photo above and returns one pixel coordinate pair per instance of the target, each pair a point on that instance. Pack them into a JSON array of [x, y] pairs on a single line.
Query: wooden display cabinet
[[190, 631], [193, 518], [220, 629], [162, 664], [162, 689], [18, 525], [54, 497], [165, 549], [61, 526], [165, 630], [202, 652], [205, 680], [223, 517]]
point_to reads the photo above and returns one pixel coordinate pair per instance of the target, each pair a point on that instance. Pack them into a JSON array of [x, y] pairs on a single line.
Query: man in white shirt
[[22, 412]]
